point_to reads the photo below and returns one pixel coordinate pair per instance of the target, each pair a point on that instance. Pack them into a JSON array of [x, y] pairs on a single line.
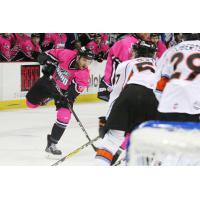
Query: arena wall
[[17, 78]]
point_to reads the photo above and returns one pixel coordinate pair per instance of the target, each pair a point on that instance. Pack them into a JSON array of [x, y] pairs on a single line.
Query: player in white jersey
[[180, 82], [132, 100]]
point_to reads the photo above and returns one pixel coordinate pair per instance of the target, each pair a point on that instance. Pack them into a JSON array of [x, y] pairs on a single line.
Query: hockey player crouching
[[66, 75], [132, 100]]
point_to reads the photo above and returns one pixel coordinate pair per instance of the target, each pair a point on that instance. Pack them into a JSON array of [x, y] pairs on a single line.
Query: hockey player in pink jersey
[[7, 44], [20, 38], [161, 47], [119, 52], [30, 48], [67, 70], [54, 41], [98, 47]]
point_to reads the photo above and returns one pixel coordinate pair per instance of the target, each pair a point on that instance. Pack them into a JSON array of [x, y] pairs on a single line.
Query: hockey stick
[[77, 119], [81, 125], [120, 161], [75, 151]]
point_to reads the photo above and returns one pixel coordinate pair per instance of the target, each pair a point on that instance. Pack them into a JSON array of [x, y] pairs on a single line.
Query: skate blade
[[53, 157]]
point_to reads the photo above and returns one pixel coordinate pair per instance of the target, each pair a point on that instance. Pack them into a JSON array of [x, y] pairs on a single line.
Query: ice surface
[[23, 135]]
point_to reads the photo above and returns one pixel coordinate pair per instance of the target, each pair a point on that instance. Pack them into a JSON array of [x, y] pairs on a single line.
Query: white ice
[[23, 135]]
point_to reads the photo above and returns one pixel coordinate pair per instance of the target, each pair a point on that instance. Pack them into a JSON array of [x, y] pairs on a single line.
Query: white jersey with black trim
[[181, 64], [140, 71]]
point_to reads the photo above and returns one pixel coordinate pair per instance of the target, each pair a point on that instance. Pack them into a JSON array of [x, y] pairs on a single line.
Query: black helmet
[[35, 35], [144, 49], [86, 53], [191, 36]]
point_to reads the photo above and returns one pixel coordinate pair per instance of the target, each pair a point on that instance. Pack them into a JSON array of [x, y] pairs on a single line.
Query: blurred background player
[[99, 47], [132, 100], [19, 39], [53, 41], [160, 45], [7, 47], [29, 48], [66, 71], [179, 86]]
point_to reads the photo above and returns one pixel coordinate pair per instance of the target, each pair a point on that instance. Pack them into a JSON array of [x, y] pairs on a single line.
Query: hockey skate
[[51, 148]]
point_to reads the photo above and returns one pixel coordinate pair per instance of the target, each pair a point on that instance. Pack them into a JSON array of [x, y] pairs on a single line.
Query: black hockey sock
[[57, 132]]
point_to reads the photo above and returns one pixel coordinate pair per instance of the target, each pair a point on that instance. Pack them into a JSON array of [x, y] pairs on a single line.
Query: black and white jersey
[[140, 71]]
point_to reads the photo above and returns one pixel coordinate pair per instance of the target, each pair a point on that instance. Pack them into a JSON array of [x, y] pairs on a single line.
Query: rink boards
[[16, 78]]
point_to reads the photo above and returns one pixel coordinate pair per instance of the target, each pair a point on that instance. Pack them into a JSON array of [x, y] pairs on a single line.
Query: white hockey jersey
[[181, 65], [141, 71]]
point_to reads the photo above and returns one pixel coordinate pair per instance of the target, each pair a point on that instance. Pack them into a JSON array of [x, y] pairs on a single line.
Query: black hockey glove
[[67, 100], [49, 68], [103, 91], [59, 96], [102, 130], [62, 102], [68, 97], [49, 64]]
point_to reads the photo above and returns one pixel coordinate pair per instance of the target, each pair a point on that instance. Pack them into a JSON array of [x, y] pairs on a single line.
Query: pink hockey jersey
[[66, 72], [27, 47], [161, 48], [58, 39], [5, 47], [119, 52], [20, 38], [96, 49]]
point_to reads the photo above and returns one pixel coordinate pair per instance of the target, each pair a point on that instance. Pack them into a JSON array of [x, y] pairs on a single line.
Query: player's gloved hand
[[61, 101], [49, 68], [104, 91], [102, 130], [49, 65]]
